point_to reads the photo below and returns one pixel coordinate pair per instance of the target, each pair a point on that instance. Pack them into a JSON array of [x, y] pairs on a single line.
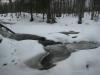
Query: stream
[[58, 52]]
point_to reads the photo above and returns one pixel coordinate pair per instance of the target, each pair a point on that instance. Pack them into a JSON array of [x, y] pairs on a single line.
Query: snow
[[15, 53]]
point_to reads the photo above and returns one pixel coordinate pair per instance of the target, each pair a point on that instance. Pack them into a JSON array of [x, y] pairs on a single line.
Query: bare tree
[[81, 5]]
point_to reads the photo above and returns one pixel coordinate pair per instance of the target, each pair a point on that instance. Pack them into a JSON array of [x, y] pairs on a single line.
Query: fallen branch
[[7, 28]]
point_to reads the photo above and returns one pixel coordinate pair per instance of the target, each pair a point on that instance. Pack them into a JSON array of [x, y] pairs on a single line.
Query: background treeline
[[52, 8]]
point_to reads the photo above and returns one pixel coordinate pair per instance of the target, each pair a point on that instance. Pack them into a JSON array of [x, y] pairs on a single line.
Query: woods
[[52, 8], [49, 37]]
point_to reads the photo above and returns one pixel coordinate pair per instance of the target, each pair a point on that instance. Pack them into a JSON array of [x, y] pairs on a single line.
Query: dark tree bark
[[31, 10], [50, 12], [80, 18], [31, 13], [11, 7], [92, 15], [81, 6]]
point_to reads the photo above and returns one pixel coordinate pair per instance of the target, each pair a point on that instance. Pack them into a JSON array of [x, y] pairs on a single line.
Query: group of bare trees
[[52, 8]]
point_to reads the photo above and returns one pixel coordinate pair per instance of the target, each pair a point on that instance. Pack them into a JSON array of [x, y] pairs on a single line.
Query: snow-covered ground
[[13, 54]]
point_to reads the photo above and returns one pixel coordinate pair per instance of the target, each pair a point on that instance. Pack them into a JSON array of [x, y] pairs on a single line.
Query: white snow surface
[[13, 54]]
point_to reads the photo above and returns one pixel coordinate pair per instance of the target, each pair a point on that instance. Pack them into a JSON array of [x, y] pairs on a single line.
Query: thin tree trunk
[[31, 13]]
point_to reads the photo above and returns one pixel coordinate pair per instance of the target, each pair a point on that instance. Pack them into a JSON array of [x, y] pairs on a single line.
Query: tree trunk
[[31, 13], [92, 15], [50, 13], [80, 18]]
